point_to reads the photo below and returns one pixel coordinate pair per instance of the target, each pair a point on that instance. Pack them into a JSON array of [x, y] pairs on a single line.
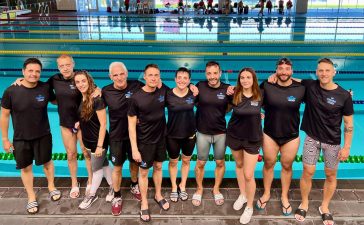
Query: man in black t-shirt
[[212, 103], [282, 102], [327, 104], [117, 97], [32, 139], [147, 124]]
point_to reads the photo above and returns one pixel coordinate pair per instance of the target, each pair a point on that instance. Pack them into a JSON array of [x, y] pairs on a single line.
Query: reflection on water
[[185, 28]]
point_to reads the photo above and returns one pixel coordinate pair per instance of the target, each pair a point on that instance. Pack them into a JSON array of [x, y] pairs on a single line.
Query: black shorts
[[120, 151], [248, 146], [39, 149], [280, 141], [174, 145], [151, 153]]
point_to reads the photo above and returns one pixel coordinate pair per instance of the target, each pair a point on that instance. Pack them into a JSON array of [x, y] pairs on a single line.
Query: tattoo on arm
[[348, 129]]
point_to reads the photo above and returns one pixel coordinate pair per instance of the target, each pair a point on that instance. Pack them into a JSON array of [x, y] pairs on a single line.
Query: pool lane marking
[[4, 40], [31, 52]]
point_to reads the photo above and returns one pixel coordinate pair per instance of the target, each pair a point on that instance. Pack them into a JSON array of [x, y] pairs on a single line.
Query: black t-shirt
[[324, 111], [91, 128], [281, 106], [118, 102], [148, 107], [28, 109], [181, 118], [211, 108], [68, 99], [245, 122]]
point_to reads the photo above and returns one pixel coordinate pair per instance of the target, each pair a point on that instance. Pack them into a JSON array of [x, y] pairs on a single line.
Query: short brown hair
[[326, 60], [151, 66], [284, 60], [32, 61], [213, 63]]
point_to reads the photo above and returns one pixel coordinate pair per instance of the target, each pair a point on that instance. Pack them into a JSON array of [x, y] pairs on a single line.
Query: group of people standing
[[138, 130]]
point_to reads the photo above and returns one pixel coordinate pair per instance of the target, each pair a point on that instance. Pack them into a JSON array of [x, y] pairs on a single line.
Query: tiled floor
[[347, 205]]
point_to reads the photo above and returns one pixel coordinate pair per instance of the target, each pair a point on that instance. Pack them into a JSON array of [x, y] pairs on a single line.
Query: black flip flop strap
[[326, 216], [144, 212], [301, 212]]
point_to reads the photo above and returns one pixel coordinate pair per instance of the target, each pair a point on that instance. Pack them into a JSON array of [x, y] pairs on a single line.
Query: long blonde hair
[[238, 95], [88, 103]]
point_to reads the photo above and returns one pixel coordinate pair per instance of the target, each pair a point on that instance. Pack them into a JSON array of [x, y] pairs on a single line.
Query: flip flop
[[75, 191], [326, 216], [174, 195], [161, 203], [219, 199], [197, 198], [144, 212], [300, 212], [260, 208], [32, 205], [53, 194], [183, 195], [285, 209]]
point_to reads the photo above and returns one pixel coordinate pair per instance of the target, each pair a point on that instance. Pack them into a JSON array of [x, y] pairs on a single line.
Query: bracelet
[[99, 146], [5, 138]]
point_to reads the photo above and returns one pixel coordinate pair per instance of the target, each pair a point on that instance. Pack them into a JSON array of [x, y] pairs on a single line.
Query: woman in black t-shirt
[[94, 135], [244, 137], [181, 128]]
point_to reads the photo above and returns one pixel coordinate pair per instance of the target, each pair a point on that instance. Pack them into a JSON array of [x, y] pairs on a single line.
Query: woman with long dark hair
[[94, 135], [244, 137]]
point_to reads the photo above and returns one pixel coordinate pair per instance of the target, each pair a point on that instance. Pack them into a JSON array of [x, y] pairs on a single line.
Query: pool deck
[[347, 205]]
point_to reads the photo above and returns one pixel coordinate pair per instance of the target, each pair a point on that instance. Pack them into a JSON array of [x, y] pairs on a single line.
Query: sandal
[[75, 191], [326, 217], [161, 203], [219, 199], [144, 212], [300, 212], [55, 195], [260, 208], [197, 198], [32, 205], [183, 195], [174, 196], [285, 209]]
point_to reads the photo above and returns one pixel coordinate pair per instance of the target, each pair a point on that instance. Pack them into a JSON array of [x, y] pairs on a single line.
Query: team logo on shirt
[[254, 103], [331, 100], [221, 96], [72, 87], [143, 164], [291, 98], [128, 94], [161, 98], [40, 98], [189, 101]]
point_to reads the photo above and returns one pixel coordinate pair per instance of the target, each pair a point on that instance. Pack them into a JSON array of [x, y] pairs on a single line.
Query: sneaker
[[246, 216], [238, 204], [116, 206], [110, 195], [87, 201], [136, 192]]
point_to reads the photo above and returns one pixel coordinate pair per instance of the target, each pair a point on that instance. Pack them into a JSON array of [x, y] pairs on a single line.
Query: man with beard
[[212, 103], [282, 102]]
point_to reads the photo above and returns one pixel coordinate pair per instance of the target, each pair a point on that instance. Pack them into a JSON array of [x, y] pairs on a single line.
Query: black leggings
[[174, 145]]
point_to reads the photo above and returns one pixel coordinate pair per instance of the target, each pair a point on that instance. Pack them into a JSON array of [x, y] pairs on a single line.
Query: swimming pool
[[171, 42]]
